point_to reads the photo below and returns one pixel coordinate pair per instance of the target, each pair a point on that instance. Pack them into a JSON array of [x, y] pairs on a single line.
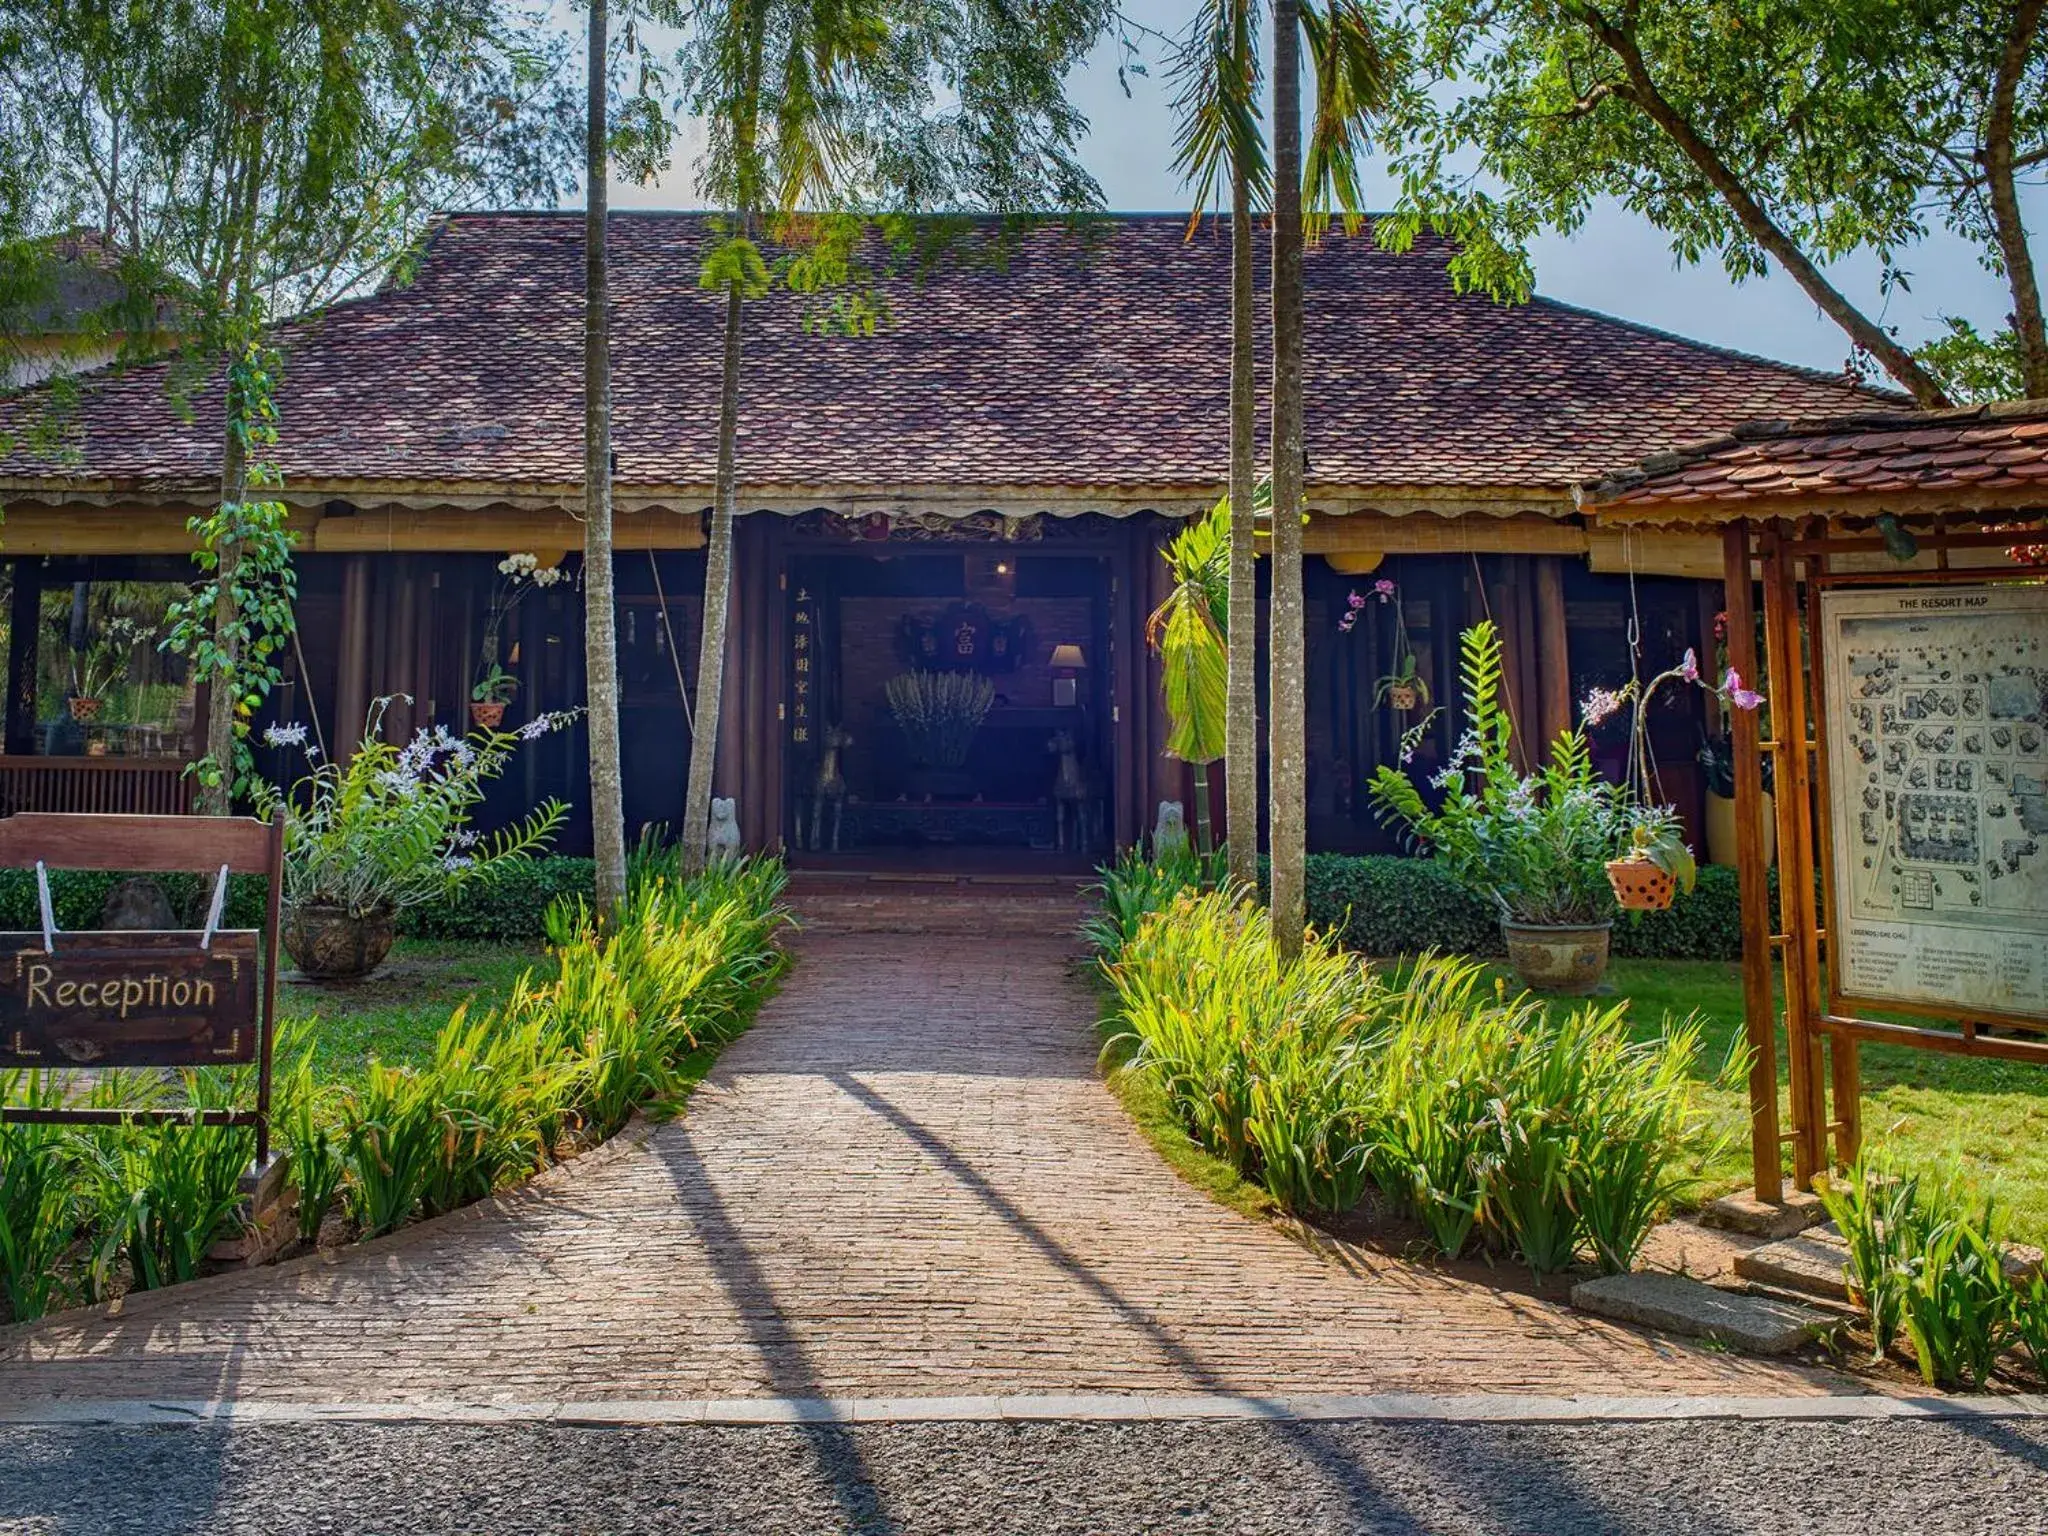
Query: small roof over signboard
[[1984, 458]]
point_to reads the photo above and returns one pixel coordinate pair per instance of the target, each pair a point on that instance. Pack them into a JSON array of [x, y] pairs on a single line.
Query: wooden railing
[[107, 785]]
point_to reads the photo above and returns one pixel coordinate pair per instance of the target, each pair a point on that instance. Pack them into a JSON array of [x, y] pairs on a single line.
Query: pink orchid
[[1599, 705], [1383, 589], [1741, 697], [1689, 668], [1355, 601]]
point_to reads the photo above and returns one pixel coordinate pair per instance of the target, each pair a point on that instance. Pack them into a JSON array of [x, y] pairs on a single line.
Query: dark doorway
[[947, 706]]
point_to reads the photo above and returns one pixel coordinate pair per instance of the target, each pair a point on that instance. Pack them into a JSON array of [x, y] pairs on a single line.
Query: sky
[[1618, 263]]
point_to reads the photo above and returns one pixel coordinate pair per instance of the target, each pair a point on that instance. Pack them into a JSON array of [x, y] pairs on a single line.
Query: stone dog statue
[[724, 840], [1170, 832]]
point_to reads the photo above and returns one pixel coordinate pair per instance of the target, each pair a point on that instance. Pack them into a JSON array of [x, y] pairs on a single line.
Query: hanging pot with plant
[[1404, 688], [1657, 865]]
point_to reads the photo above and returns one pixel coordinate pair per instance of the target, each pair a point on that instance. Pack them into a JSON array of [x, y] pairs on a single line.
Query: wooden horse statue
[[1073, 798], [827, 792]]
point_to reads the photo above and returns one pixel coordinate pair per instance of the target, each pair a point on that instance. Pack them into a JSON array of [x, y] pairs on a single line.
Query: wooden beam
[[352, 685], [25, 626], [54, 530], [1949, 501], [1752, 872], [1361, 533], [1654, 552]]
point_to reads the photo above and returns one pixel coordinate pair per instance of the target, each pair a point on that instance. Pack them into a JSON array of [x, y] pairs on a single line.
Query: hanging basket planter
[[487, 714], [1402, 696], [84, 707], [1640, 885]]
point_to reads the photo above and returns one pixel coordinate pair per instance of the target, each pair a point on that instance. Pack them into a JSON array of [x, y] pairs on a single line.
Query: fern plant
[[1535, 845]]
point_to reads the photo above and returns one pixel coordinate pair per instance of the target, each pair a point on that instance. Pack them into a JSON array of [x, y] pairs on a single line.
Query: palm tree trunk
[[1241, 707], [1287, 747], [600, 621], [717, 597]]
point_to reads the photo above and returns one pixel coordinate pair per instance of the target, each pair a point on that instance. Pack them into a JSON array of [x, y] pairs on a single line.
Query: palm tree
[[600, 621], [1188, 631], [1356, 75], [821, 109]]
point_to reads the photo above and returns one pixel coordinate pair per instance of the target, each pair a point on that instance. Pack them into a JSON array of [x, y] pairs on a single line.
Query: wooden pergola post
[[1752, 872]]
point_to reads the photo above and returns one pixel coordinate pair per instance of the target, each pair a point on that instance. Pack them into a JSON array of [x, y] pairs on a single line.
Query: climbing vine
[[239, 617]]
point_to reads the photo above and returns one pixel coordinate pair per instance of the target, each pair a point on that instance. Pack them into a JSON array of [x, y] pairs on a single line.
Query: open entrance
[[948, 706]]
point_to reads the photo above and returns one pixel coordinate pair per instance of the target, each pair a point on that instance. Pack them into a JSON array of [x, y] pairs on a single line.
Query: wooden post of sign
[[1786, 696], [273, 904], [1845, 1069], [1752, 874]]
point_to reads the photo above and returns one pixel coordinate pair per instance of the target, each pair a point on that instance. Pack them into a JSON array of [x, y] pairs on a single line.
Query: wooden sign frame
[[205, 845]]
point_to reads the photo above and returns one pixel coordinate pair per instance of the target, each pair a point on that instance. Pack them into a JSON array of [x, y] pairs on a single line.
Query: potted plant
[[488, 700], [1404, 688], [939, 713], [495, 686], [1535, 845], [104, 665], [1657, 863], [386, 831]]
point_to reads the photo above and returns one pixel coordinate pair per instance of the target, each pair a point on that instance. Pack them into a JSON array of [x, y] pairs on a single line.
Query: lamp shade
[[1068, 655]]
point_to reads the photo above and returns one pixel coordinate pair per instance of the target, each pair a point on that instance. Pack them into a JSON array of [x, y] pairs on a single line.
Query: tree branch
[[2007, 225]]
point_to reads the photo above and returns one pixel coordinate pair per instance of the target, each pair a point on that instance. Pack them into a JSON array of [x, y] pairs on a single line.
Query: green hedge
[[1382, 905], [506, 906], [79, 896]]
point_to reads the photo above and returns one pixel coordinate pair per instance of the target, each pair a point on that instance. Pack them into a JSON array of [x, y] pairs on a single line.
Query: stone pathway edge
[[742, 1412]]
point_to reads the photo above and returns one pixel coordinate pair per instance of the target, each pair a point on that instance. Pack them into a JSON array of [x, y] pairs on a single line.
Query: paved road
[[1711, 1478], [906, 1180]]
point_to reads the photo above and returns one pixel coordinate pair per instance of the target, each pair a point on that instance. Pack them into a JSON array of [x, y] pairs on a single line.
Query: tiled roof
[[1966, 458], [1096, 361]]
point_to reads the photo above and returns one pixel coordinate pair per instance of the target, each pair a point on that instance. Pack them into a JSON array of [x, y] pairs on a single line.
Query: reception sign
[[128, 1000]]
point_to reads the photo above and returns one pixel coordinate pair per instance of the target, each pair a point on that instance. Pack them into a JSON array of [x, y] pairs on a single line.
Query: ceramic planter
[[83, 709], [1402, 696], [1721, 834], [487, 714], [328, 943], [1639, 885], [1568, 960]]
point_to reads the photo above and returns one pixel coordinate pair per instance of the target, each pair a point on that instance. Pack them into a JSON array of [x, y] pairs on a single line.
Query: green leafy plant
[[167, 1191], [1189, 631], [1880, 1216], [389, 829], [940, 713], [1535, 845], [1957, 1302], [39, 1204], [2030, 1320], [1137, 885], [312, 1150]]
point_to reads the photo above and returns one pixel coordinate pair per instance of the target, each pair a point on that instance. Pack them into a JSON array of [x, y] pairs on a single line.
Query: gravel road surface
[[1717, 1478]]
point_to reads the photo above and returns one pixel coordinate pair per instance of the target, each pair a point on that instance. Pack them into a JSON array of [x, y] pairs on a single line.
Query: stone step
[[1812, 1263], [1750, 1325]]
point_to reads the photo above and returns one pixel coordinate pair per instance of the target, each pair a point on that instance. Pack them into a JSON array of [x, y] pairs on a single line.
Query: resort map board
[[1938, 766]]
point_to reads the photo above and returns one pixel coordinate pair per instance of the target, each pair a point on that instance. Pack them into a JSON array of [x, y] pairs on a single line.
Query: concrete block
[[1752, 1325], [1794, 1211], [1812, 1262]]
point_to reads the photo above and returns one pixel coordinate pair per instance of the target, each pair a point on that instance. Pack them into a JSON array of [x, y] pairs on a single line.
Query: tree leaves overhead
[[1756, 133]]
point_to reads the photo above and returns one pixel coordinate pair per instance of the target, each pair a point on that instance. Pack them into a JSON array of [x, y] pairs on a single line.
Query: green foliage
[[569, 1055], [39, 1199], [166, 1191], [389, 830], [1926, 1261], [1188, 631], [1473, 1111], [1385, 906], [1972, 367], [305, 1133], [507, 902], [1136, 886], [2030, 1321], [1535, 845], [78, 897]]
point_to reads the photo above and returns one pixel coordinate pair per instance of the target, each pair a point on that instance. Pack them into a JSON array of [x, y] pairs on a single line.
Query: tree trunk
[[600, 620], [1241, 689], [1287, 684], [2008, 226], [217, 798], [717, 596], [1865, 332]]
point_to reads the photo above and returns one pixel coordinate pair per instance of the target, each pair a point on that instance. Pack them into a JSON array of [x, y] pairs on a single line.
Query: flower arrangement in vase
[[496, 687]]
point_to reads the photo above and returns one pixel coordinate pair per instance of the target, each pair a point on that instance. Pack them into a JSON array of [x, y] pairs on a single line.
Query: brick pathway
[[906, 1180]]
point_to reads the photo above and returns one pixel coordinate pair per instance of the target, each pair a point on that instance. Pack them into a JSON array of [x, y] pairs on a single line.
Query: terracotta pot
[[328, 944], [1568, 960], [84, 709], [1721, 834], [487, 714], [1401, 696], [1639, 885]]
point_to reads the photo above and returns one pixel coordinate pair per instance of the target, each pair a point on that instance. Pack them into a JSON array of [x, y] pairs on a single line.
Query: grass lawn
[[1984, 1121], [395, 1013]]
